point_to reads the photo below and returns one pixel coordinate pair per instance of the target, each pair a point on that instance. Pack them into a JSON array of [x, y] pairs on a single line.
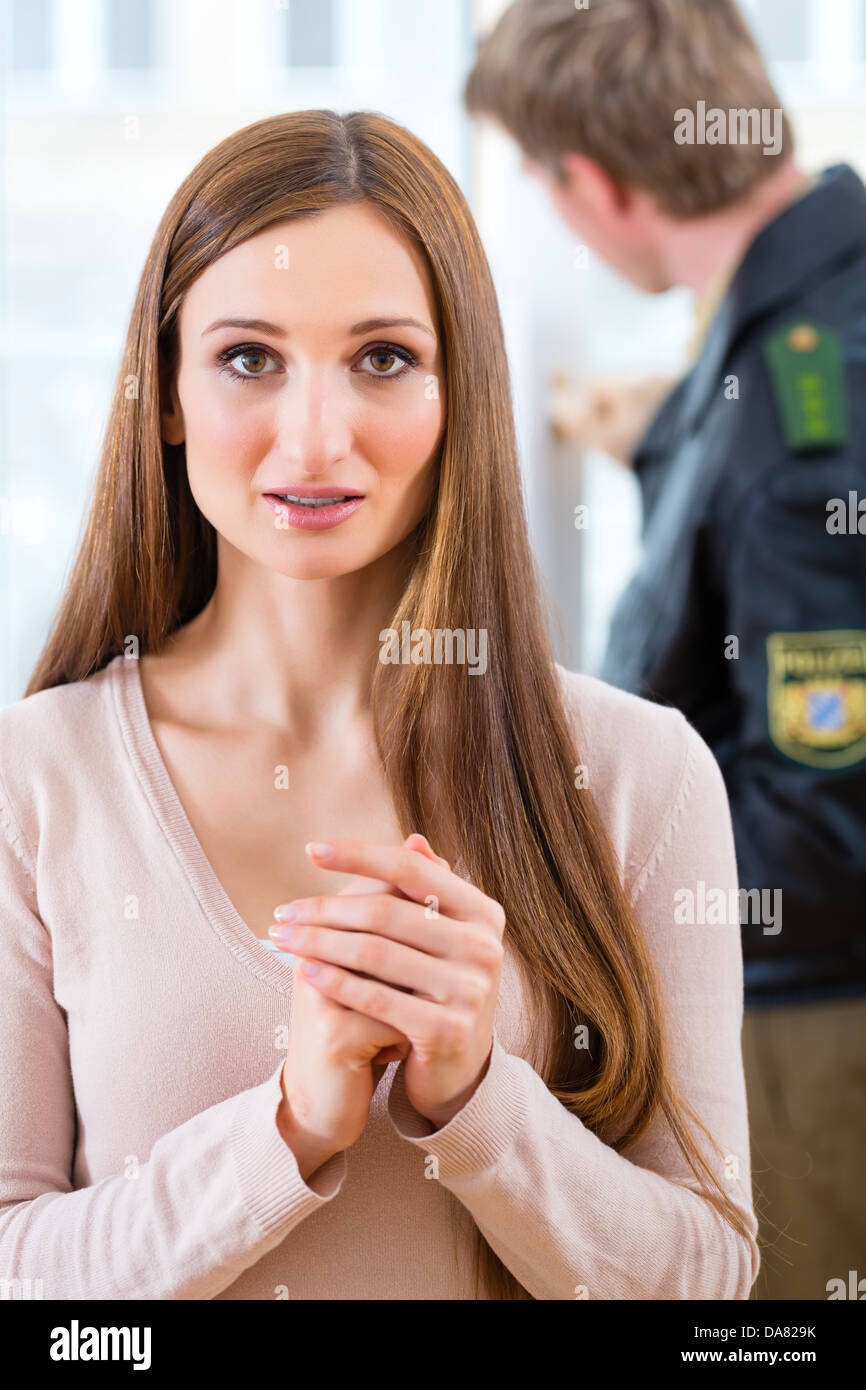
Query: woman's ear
[[170, 413]]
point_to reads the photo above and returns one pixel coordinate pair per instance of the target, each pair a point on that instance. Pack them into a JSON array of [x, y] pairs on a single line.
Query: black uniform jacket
[[748, 611]]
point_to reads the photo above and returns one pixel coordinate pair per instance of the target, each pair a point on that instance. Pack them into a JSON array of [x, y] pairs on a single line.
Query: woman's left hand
[[434, 955]]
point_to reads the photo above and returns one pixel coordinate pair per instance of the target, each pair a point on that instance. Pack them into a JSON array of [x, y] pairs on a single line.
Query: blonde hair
[[606, 82]]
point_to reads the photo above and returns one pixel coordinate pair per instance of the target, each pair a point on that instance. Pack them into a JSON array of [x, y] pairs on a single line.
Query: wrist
[[310, 1150], [441, 1115]]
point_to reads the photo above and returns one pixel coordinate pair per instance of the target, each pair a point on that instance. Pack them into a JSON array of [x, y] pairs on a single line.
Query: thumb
[[423, 846]]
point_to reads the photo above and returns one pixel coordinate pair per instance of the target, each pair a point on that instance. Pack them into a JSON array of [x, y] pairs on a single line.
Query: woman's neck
[[295, 654]]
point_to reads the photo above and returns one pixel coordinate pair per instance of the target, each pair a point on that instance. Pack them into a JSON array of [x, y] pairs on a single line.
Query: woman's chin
[[334, 566]]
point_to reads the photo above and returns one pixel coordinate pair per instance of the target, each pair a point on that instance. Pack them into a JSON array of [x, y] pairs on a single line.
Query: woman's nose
[[314, 423]]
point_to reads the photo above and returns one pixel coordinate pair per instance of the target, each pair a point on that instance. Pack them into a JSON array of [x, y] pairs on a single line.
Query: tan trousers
[[805, 1071]]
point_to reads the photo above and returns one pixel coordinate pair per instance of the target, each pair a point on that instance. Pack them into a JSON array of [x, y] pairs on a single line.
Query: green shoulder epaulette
[[808, 376]]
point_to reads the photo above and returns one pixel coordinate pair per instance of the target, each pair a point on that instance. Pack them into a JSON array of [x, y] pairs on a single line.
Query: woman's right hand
[[328, 1078], [328, 1075]]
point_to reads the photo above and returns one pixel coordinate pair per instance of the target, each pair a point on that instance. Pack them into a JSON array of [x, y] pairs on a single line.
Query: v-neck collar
[[124, 675]]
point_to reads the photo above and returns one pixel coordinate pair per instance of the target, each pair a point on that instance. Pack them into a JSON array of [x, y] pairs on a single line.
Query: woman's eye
[[249, 357], [388, 362]]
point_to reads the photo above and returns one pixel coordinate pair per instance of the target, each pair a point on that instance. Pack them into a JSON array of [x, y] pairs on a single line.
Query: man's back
[[748, 611]]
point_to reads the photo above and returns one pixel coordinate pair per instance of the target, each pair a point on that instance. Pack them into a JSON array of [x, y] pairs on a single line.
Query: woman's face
[[337, 391]]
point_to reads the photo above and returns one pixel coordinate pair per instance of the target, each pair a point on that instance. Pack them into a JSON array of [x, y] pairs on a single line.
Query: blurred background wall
[[106, 106]]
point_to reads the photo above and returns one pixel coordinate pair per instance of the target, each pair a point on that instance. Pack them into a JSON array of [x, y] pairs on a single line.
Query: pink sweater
[[142, 1027]]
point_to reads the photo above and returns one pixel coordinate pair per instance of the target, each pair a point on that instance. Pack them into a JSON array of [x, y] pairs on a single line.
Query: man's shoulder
[[791, 403]]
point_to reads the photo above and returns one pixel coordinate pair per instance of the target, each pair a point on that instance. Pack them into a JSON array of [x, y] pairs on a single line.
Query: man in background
[[655, 128]]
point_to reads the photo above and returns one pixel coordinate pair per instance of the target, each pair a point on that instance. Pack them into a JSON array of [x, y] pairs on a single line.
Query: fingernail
[[282, 934], [286, 912], [319, 850]]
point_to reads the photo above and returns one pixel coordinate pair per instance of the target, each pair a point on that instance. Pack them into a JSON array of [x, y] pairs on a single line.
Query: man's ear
[[592, 185], [170, 413]]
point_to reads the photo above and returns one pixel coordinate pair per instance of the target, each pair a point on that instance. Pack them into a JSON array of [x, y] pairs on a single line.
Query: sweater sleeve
[[216, 1194], [568, 1215]]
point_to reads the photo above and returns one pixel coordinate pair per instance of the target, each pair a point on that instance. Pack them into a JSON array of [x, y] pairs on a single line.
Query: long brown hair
[[482, 766]]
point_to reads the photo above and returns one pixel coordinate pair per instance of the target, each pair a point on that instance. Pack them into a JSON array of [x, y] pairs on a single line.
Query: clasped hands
[[431, 947]]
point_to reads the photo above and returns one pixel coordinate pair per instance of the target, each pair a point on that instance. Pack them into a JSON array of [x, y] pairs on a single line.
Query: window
[[129, 34], [311, 34], [782, 29], [31, 34]]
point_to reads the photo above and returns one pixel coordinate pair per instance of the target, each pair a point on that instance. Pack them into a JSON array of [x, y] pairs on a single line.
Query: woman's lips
[[313, 518]]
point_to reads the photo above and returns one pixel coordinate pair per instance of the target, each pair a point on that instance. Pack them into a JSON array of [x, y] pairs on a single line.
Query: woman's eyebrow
[[262, 325], [370, 325], [365, 326]]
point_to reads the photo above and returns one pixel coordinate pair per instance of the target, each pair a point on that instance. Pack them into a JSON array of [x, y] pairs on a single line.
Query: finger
[[420, 1020], [397, 919], [416, 876], [364, 885], [377, 958]]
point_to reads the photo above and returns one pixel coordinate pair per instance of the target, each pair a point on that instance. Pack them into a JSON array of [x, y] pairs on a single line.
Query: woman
[[487, 1062]]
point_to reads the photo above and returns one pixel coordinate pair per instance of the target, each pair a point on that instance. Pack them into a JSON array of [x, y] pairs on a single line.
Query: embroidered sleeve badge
[[807, 372], [816, 696]]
